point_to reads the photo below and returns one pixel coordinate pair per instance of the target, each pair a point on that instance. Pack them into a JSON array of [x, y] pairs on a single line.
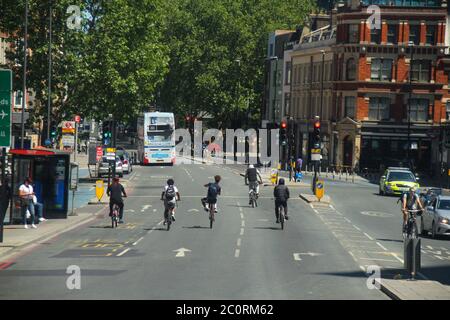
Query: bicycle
[[212, 211], [411, 225], [253, 196], [168, 213], [115, 216], [281, 216]]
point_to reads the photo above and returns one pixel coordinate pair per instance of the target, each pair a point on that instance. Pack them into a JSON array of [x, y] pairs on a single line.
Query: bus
[[156, 138]]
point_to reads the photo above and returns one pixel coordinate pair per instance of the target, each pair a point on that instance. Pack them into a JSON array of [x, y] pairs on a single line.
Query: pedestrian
[[298, 164], [26, 194]]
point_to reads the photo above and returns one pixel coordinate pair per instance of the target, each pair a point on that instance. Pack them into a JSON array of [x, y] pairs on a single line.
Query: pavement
[[324, 252]]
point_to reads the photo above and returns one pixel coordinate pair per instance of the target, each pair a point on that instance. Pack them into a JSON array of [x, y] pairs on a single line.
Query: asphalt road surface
[[319, 255]]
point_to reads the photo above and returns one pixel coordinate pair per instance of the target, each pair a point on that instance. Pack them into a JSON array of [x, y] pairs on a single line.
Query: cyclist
[[114, 192], [410, 201], [253, 179], [214, 190], [170, 195], [281, 194]]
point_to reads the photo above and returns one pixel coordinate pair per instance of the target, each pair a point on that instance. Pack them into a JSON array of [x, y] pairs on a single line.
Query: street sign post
[[320, 190], [5, 107]]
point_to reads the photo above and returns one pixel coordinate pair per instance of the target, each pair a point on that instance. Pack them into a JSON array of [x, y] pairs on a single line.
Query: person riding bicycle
[[170, 195], [114, 192], [281, 194], [214, 190], [253, 179], [410, 201]]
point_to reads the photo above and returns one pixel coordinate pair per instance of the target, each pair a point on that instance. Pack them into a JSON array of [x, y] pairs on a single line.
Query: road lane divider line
[[381, 246], [242, 231], [377, 259], [368, 236], [243, 223], [239, 241], [139, 240], [123, 252], [356, 228], [236, 253]]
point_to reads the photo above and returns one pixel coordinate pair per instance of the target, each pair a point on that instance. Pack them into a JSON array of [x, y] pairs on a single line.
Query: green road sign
[[5, 107]]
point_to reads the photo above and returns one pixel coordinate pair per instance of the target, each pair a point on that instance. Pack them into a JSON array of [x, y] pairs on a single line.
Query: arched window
[[351, 70]]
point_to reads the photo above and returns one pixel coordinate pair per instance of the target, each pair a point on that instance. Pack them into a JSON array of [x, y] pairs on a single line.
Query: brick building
[[373, 91]]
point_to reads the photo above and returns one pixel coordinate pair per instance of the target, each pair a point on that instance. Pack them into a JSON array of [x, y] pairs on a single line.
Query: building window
[[420, 70], [351, 69], [18, 99], [375, 36], [419, 109], [353, 33], [287, 79], [392, 34], [414, 33], [447, 110], [287, 103], [379, 108], [431, 34], [349, 108], [381, 69]]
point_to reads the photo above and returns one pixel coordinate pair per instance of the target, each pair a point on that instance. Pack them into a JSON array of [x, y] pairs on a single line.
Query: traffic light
[[283, 133], [107, 133], [316, 134]]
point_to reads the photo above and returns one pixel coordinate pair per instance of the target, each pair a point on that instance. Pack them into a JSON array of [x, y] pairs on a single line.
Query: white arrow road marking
[[312, 254], [297, 257], [181, 252], [146, 207]]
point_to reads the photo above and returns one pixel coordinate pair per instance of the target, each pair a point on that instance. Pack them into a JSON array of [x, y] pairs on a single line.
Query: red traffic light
[[317, 124], [283, 125]]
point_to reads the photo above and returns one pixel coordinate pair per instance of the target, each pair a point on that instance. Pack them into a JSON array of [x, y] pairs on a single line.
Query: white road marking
[[368, 236], [243, 223], [430, 247], [123, 252], [239, 241], [396, 257], [381, 246], [236, 253], [147, 206], [139, 240], [297, 257], [356, 228], [375, 259], [181, 252], [347, 219], [91, 189], [242, 231], [193, 210]]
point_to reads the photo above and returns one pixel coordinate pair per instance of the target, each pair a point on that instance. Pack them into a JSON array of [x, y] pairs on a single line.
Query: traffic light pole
[[114, 145]]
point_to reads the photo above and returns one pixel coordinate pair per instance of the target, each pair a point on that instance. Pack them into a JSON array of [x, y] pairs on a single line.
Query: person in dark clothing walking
[[115, 192], [281, 194]]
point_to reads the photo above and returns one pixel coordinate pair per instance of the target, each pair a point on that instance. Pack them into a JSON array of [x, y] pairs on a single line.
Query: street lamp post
[[49, 73], [411, 47], [24, 93]]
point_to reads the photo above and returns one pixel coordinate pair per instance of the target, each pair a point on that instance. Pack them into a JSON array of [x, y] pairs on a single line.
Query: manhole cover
[[377, 214]]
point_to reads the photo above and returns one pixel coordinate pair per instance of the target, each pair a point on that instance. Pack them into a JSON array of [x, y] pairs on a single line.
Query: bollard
[[346, 174], [353, 177], [412, 263]]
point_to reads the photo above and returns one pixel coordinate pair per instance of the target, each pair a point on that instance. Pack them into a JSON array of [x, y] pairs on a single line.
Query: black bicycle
[[115, 216], [253, 196], [281, 216], [411, 231]]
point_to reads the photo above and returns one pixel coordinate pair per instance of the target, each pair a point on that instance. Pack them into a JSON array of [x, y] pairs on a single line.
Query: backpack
[[170, 193], [212, 191]]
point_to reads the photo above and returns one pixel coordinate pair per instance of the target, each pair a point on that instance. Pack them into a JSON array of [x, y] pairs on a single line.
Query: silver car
[[436, 218], [103, 169]]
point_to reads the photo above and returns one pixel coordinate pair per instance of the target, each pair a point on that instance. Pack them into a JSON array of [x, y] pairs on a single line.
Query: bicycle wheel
[[253, 202], [415, 233], [168, 223], [211, 217], [281, 214], [112, 222]]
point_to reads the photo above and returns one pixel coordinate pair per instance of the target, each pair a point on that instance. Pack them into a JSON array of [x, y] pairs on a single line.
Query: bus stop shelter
[[49, 170]]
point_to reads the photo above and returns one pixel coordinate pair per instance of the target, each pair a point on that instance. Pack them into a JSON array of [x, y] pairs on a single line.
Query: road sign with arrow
[[5, 107]]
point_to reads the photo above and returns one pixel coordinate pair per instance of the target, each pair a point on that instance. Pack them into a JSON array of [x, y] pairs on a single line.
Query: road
[[319, 255]]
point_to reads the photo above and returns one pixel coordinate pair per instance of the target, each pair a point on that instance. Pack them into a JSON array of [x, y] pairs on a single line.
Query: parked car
[[103, 169], [396, 180], [126, 163], [436, 218]]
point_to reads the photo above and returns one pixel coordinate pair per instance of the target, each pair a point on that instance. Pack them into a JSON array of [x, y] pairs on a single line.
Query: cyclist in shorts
[[214, 190]]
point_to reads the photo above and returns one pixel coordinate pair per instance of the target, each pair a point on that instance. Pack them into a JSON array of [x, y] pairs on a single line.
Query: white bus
[[156, 138]]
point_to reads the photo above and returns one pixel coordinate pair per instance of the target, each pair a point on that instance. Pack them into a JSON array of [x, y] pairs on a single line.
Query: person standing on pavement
[[115, 191], [281, 195], [298, 165], [26, 194]]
